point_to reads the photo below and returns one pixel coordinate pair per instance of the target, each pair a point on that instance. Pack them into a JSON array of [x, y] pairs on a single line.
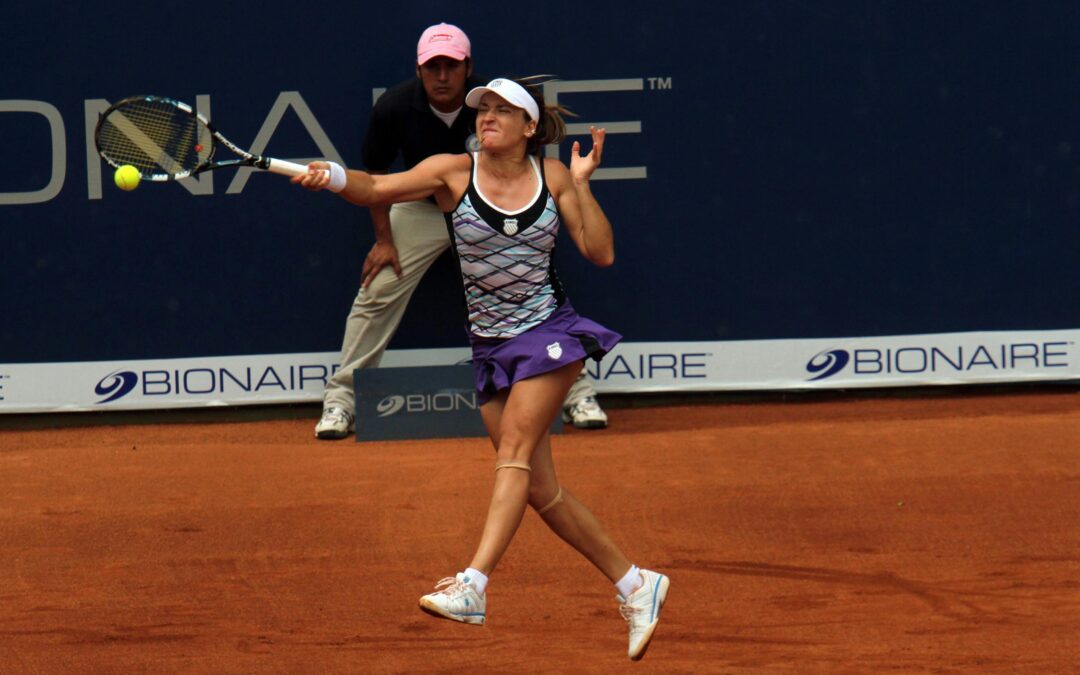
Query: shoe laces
[[452, 586], [589, 403], [629, 612], [336, 414], [584, 406]]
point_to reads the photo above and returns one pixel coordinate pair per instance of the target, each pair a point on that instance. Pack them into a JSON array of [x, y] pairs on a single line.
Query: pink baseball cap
[[442, 40]]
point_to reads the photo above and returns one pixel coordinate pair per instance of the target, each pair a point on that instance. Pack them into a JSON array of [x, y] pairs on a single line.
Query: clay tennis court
[[925, 533]]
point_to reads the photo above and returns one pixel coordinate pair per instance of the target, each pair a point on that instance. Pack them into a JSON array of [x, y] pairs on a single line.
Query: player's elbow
[[604, 258]]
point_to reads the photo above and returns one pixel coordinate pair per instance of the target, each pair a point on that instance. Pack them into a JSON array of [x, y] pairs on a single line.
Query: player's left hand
[[581, 167]]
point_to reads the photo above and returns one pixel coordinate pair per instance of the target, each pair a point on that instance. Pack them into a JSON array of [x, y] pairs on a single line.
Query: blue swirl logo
[[117, 384], [827, 363], [390, 405]]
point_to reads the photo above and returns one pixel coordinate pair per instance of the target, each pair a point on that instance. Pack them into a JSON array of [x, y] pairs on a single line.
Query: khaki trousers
[[420, 235]]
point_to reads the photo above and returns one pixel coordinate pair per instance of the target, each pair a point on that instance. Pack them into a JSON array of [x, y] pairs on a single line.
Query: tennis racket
[[167, 140]]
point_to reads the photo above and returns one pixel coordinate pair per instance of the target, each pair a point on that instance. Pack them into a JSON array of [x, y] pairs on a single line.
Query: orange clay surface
[[934, 534]]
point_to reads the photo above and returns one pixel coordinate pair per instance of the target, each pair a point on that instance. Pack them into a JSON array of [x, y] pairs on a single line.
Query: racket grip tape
[[284, 168]]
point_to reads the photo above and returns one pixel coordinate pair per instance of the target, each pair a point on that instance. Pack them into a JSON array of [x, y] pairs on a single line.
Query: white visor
[[510, 91]]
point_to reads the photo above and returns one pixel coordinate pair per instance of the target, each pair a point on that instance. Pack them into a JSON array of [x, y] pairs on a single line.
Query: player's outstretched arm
[[365, 189]]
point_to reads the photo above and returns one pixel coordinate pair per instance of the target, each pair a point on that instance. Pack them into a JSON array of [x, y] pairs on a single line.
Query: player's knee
[[544, 498], [517, 434], [513, 443], [538, 493]]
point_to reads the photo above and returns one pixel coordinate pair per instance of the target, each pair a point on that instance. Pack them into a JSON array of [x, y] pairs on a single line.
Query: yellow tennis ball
[[127, 177]]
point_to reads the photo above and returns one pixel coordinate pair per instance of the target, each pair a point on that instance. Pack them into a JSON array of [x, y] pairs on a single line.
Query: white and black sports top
[[506, 259]]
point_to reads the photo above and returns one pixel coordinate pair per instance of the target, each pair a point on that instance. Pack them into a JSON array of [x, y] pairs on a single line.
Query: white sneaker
[[456, 599], [642, 611], [335, 423], [585, 414]]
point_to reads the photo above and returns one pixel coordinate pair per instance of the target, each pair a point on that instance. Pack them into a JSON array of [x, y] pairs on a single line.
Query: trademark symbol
[[659, 83]]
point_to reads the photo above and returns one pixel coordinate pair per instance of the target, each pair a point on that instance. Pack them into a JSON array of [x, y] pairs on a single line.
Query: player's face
[[444, 81], [500, 124]]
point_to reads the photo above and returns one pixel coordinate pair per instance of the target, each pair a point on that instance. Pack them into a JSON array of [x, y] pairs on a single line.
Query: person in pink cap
[[505, 206], [415, 119]]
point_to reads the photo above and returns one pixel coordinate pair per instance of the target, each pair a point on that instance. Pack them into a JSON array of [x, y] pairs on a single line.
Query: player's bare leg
[[642, 593], [571, 520], [517, 423]]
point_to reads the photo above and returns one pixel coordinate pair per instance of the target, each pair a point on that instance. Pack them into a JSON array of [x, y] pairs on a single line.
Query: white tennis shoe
[[335, 423], [642, 611], [585, 414], [456, 599]]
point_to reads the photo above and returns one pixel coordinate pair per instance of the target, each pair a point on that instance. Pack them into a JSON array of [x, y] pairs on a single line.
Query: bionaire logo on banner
[[206, 381], [973, 359], [440, 402], [828, 363], [116, 385]]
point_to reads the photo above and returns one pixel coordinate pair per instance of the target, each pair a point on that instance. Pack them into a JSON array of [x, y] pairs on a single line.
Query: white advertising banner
[[645, 367], [840, 363]]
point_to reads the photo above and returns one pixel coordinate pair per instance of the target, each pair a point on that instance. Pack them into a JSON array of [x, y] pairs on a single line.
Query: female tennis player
[[504, 206]]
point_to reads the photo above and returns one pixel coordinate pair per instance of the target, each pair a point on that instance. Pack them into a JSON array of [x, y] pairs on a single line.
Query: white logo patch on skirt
[[554, 350]]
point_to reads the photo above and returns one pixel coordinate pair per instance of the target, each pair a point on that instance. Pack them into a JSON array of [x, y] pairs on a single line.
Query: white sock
[[630, 582], [477, 578]]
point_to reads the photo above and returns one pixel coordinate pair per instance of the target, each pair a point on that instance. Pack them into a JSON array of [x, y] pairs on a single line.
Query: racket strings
[[155, 137]]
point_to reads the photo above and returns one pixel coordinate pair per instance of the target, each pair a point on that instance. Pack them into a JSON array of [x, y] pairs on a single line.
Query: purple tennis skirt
[[564, 337]]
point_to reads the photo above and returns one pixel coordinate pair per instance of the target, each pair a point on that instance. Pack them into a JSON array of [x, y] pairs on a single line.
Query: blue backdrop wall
[[789, 169]]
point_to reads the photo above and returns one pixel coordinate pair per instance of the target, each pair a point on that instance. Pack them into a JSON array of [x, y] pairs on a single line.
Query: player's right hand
[[383, 253], [317, 177]]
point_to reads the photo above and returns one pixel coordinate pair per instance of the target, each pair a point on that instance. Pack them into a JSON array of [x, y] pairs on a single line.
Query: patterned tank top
[[506, 259]]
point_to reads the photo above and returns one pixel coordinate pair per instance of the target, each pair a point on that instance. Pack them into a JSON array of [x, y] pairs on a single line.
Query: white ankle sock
[[630, 582], [477, 578]]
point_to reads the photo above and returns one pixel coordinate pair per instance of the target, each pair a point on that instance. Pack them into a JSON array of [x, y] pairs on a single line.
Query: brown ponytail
[[550, 128]]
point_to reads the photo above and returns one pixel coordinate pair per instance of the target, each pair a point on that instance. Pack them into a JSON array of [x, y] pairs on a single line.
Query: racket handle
[[286, 168]]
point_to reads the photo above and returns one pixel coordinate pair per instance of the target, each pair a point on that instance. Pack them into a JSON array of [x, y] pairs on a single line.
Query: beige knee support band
[[553, 502], [513, 465]]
